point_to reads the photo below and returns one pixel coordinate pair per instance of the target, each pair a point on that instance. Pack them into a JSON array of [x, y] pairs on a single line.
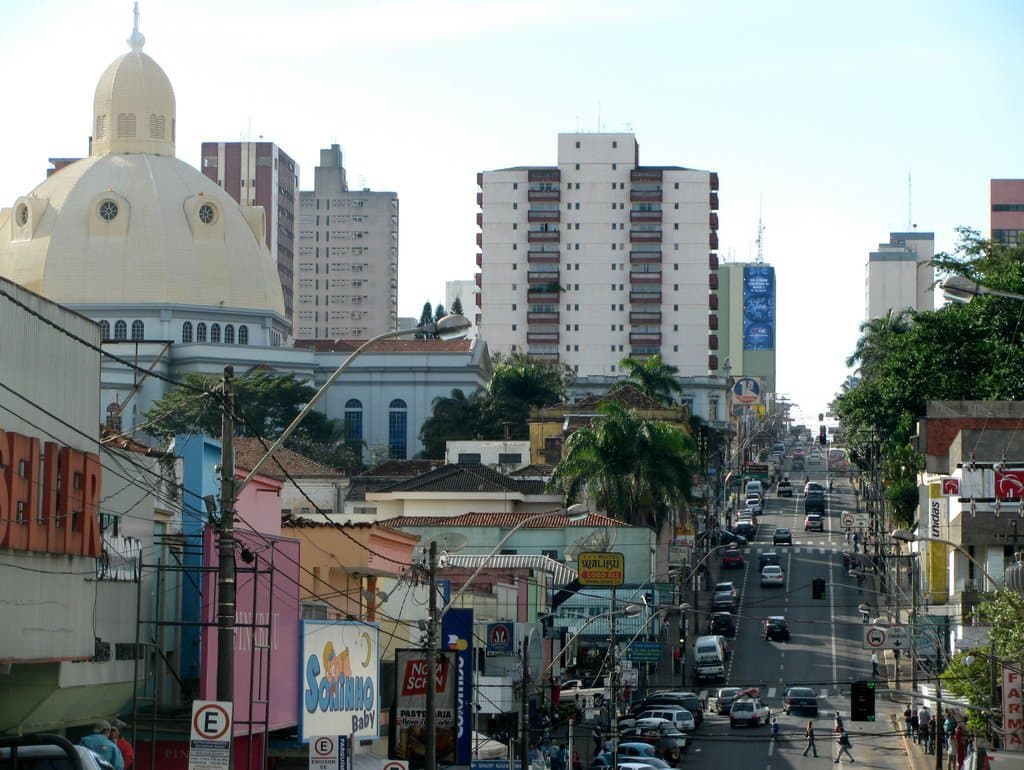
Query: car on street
[[577, 690], [745, 527], [754, 504], [813, 486], [667, 718], [784, 489], [668, 745], [725, 537], [814, 522], [768, 557], [727, 585], [661, 698], [782, 536], [777, 628], [723, 698], [798, 463], [772, 575], [732, 558], [723, 623], [749, 711], [723, 601], [800, 699], [814, 502]]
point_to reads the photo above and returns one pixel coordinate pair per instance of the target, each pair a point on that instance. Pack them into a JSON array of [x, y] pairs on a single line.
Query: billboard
[[457, 636], [340, 679], [758, 307], [410, 713]]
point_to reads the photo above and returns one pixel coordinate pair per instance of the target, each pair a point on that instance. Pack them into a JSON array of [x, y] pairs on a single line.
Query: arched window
[[215, 333], [138, 330], [200, 332], [243, 335], [104, 330], [229, 334], [186, 331], [120, 330], [398, 425], [353, 421]]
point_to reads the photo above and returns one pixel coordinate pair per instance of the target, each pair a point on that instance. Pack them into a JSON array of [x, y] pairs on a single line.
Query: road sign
[[849, 520], [210, 735], [644, 652], [601, 568], [489, 764], [886, 637], [329, 752]]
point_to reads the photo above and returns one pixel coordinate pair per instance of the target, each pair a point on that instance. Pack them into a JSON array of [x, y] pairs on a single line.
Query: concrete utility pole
[[524, 709], [613, 650], [430, 760], [226, 550]]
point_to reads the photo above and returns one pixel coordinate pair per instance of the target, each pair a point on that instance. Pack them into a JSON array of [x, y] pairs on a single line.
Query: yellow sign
[[601, 568]]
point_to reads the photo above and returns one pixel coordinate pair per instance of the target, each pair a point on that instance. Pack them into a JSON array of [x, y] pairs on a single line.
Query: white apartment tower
[[599, 258], [900, 276], [346, 269]]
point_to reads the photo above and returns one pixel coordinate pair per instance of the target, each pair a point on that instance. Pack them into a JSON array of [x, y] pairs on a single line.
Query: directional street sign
[[886, 637]]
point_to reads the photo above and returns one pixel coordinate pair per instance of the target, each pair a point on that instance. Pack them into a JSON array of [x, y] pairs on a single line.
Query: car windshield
[[801, 692], [771, 569], [781, 531]]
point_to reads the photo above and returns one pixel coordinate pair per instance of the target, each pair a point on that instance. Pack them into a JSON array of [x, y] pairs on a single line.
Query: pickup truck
[[574, 689], [749, 711]]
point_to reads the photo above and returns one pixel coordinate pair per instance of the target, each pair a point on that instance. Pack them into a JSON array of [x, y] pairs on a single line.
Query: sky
[[833, 123]]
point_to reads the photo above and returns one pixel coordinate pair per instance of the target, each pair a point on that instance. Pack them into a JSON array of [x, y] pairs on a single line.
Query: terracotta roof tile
[[534, 470], [248, 452], [504, 520]]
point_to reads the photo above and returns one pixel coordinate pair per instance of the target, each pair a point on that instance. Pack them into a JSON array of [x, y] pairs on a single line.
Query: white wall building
[[899, 275], [465, 292], [346, 270], [600, 258]]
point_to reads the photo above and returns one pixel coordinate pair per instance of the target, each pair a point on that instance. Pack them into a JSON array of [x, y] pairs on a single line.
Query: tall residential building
[[347, 267], [261, 174], [600, 258], [1007, 217], [747, 328], [899, 275], [465, 292]]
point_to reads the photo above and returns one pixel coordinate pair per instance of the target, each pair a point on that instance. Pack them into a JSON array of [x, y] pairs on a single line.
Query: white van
[[755, 489], [709, 654]]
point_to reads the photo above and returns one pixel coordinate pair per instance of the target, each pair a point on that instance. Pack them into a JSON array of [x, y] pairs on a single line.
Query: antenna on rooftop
[[910, 202], [760, 234]]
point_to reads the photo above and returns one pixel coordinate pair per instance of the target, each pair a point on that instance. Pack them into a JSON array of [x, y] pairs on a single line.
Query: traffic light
[[862, 702], [818, 588]]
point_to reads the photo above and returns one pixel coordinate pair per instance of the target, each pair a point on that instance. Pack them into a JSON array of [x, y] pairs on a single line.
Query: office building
[[600, 258], [1007, 197], [899, 275], [261, 174], [346, 284]]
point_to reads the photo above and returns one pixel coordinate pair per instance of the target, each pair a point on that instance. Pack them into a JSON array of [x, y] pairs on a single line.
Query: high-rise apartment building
[[599, 258], [261, 174], [747, 321], [346, 284], [899, 275], [1007, 217]]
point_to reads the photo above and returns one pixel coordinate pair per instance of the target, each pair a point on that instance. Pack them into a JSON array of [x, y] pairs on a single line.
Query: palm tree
[[874, 339], [635, 469], [658, 380], [453, 418]]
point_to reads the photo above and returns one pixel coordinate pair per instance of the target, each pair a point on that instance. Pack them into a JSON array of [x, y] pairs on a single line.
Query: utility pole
[[613, 650], [524, 709], [226, 549], [430, 758]]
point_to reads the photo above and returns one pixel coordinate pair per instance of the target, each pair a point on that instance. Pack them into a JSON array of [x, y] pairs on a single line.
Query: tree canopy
[[654, 377]]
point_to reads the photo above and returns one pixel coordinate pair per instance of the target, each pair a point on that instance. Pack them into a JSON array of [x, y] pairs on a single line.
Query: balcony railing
[[638, 277], [542, 276], [646, 175], [535, 215], [645, 236], [543, 338], [542, 318], [644, 298], [544, 175], [644, 215], [640, 196], [645, 257], [545, 294], [644, 338], [712, 261], [544, 236], [543, 257], [645, 318], [553, 194]]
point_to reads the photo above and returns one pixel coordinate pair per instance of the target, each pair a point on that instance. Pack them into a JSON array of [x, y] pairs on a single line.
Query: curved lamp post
[[959, 288], [905, 536]]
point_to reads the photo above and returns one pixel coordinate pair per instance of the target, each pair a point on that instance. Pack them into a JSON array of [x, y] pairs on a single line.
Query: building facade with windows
[[346, 282], [600, 258], [1007, 215], [900, 276], [261, 174], [747, 321]]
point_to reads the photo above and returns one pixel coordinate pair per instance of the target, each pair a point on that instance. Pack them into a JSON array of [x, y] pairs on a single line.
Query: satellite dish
[[599, 540], [452, 542]]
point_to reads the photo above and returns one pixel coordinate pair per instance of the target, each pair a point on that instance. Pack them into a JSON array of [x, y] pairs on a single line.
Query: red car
[[733, 557]]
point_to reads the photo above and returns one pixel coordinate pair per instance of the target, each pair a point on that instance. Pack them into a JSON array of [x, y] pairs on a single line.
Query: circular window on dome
[[21, 215], [108, 210], [207, 213]]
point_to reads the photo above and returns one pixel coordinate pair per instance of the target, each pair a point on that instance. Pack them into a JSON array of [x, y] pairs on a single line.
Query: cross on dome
[[137, 39]]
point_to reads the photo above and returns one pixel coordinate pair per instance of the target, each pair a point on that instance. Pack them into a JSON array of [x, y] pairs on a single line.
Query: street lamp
[[572, 513], [906, 536], [959, 288], [448, 327]]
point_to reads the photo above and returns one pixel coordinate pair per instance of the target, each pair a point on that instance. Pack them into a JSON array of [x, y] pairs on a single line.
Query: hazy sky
[[816, 112]]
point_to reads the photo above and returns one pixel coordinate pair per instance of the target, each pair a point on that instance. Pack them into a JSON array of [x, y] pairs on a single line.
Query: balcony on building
[[544, 175], [645, 338], [713, 321], [713, 240], [543, 256], [713, 281], [712, 261], [544, 215], [712, 363], [543, 276], [480, 199], [542, 316], [712, 302], [478, 277], [645, 212], [645, 317], [643, 352], [712, 342], [543, 293], [544, 191], [643, 276], [551, 358], [479, 219], [542, 337], [479, 259], [713, 220], [547, 351], [713, 201], [646, 175], [645, 193], [543, 233], [713, 180], [638, 257], [645, 298], [645, 236]]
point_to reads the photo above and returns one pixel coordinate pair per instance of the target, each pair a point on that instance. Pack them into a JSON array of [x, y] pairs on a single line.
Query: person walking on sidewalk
[[932, 729], [843, 741], [915, 726], [809, 735], [923, 715], [908, 716], [874, 665]]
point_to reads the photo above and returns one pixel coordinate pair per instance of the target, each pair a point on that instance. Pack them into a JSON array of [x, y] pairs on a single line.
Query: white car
[[772, 575], [749, 711]]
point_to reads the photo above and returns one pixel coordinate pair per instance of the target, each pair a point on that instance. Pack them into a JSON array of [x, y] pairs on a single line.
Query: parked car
[[782, 536], [776, 627], [784, 488], [668, 745], [667, 718], [723, 601], [723, 623], [814, 521], [749, 711], [772, 575], [687, 700], [766, 558], [577, 690], [800, 699], [721, 702], [732, 558], [725, 537]]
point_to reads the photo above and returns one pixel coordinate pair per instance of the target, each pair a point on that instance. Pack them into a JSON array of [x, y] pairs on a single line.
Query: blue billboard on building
[[758, 307]]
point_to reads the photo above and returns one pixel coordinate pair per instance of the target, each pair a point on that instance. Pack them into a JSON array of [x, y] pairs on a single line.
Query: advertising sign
[[747, 391], [758, 307], [457, 636], [1013, 716], [501, 639], [1010, 483], [410, 717], [601, 568], [340, 679]]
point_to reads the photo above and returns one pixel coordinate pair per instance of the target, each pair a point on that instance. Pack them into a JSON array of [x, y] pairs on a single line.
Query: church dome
[[133, 224]]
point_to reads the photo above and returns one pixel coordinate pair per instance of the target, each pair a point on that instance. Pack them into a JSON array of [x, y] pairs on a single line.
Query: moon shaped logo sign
[[951, 486], [1010, 484]]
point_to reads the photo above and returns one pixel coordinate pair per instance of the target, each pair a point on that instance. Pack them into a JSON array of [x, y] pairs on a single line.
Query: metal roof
[[562, 575]]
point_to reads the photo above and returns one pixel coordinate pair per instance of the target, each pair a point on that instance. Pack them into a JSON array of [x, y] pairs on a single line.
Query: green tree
[[654, 377], [453, 418], [439, 313], [635, 469], [426, 318], [533, 381], [457, 306]]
